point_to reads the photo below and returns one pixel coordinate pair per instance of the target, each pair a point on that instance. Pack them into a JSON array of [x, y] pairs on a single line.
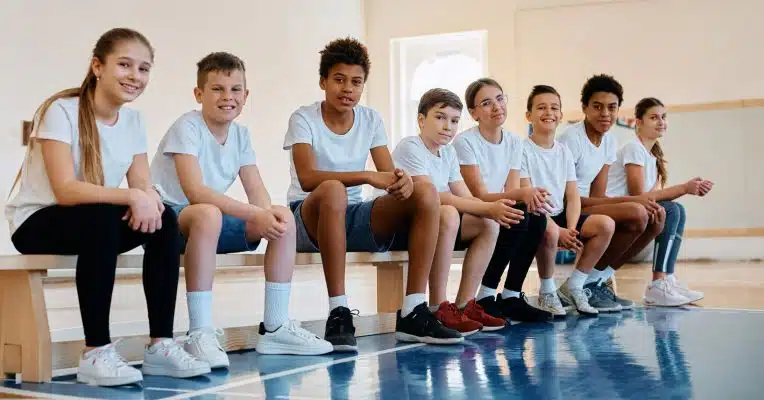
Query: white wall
[[46, 46]]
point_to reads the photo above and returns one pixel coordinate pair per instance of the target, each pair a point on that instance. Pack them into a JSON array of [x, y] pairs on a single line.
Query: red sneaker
[[452, 317], [476, 312]]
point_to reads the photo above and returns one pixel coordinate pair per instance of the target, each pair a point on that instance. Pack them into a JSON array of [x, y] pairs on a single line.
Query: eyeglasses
[[488, 104]]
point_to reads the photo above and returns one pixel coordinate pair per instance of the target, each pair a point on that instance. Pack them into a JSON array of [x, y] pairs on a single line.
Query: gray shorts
[[358, 232], [233, 235]]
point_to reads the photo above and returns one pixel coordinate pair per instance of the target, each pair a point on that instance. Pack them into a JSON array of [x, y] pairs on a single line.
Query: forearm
[[79, 192], [227, 205], [309, 181], [671, 193], [573, 213], [491, 197], [598, 201], [473, 206], [260, 199]]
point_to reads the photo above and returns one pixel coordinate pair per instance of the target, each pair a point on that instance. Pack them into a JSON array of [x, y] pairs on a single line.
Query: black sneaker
[[491, 307], [518, 309], [422, 326], [340, 331]]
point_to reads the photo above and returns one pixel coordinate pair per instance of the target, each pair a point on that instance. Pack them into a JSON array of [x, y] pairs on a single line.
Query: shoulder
[[512, 138], [368, 114], [467, 135], [448, 152], [65, 107], [409, 144], [307, 113]]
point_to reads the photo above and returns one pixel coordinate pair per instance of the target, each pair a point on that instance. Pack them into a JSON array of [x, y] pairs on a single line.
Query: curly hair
[[601, 83], [344, 51]]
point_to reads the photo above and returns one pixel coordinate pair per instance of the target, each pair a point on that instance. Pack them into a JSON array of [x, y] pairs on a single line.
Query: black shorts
[[562, 221]]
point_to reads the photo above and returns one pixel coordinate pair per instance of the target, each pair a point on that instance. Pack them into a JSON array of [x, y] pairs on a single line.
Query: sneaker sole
[[117, 381], [608, 309], [469, 333], [278, 349], [657, 304], [164, 371], [566, 299], [493, 328], [405, 337], [627, 307]]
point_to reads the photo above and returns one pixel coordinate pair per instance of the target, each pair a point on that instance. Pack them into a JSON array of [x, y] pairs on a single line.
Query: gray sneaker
[[601, 299], [625, 304]]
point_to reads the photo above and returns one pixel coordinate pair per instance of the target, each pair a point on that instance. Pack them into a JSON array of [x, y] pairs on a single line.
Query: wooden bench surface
[[46, 262]]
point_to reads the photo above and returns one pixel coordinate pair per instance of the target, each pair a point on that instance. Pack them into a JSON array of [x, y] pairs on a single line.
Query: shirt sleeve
[[570, 166], [525, 168], [299, 131], [56, 125], [455, 173], [183, 138], [573, 145], [141, 145], [380, 136], [246, 152], [516, 158], [610, 151], [407, 158], [464, 151], [633, 154]]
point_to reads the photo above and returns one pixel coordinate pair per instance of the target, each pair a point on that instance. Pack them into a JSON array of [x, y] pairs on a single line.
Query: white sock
[[338, 301], [594, 276], [577, 279], [484, 292], [276, 305], [548, 286], [506, 293], [411, 301], [199, 309], [607, 273]]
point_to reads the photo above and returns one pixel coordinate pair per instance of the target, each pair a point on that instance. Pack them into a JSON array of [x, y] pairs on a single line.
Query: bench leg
[[25, 345], [391, 281]]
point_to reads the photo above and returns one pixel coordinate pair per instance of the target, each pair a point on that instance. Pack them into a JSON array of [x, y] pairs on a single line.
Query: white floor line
[[234, 394], [37, 395], [260, 378], [728, 309]]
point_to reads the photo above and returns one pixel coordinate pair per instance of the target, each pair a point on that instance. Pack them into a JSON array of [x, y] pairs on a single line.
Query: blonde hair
[[657, 151], [91, 164]]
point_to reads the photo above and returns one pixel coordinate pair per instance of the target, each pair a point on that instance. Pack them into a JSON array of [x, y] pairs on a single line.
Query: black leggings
[[517, 247], [97, 235]]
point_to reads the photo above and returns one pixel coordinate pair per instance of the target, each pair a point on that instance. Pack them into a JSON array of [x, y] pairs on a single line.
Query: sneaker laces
[[551, 300], [175, 350], [453, 308], [294, 327], [108, 355], [204, 337]]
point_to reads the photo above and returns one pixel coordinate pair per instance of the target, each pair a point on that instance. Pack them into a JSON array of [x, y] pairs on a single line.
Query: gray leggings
[[668, 242]]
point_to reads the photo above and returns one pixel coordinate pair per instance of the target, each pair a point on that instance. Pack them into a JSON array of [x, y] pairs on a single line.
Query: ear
[[472, 113], [246, 95], [96, 66], [528, 116], [198, 95], [322, 82], [420, 121]]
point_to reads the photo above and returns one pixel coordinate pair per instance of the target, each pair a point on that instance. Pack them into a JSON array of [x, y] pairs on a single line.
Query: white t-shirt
[[550, 169], [589, 159], [634, 152], [333, 152], [119, 145], [495, 160], [412, 156], [219, 164]]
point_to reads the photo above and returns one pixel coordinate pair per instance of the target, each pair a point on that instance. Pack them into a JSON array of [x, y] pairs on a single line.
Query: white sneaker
[[663, 294], [692, 295], [290, 338], [579, 298], [103, 366], [203, 345], [550, 302], [168, 358]]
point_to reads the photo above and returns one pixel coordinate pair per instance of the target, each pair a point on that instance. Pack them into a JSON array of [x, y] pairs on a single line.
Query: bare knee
[[490, 228], [287, 218], [449, 219], [551, 235], [638, 218], [201, 220], [602, 225], [425, 197], [332, 196]]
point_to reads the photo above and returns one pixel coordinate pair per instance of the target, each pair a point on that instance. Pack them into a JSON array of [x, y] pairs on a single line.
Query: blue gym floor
[[642, 354]]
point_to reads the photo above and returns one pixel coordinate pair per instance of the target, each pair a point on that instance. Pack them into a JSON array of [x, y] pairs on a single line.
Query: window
[[450, 61]]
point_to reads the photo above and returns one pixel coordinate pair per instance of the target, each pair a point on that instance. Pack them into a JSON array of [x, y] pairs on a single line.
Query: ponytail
[[657, 152]]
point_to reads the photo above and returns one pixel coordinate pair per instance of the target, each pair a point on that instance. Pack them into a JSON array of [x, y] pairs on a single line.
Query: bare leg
[[280, 253], [200, 224], [596, 233], [449, 223], [323, 213], [652, 231], [421, 214], [631, 221], [547, 252], [483, 233]]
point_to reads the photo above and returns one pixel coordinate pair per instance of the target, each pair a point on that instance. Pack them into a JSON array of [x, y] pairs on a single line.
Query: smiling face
[[343, 86], [601, 111], [223, 96], [440, 124], [124, 73], [490, 107], [545, 113]]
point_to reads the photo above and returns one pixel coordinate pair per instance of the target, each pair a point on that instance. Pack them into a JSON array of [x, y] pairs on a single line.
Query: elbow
[[64, 196], [307, 183]]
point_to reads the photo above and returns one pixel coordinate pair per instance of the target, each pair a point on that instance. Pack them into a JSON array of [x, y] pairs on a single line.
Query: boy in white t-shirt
[[637, 218], [549, 164], [329, 143], [466, 222], [197, 161]]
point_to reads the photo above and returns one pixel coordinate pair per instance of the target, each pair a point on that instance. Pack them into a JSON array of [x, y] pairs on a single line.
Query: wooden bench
[[25, 339]]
